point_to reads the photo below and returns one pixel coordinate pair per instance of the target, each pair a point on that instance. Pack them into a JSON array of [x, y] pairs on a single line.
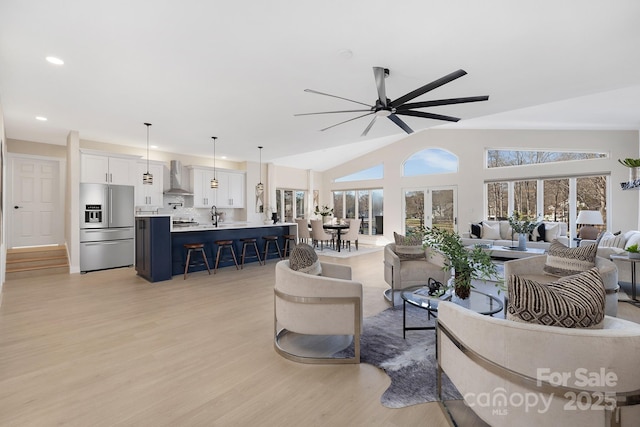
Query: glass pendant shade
[[214, 180], [260, 185], [147, 178]]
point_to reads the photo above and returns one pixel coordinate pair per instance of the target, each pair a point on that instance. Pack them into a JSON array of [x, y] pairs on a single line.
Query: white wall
[[470, 146], [3, 188]]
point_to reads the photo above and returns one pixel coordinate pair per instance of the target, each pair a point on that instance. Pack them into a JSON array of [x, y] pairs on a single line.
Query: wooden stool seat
[[250, 242], [198, 247], [222, 244], [267, 241]]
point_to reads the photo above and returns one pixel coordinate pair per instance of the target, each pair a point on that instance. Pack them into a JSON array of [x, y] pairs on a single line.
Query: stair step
[[38, 272], [15, 264], [36, 261]]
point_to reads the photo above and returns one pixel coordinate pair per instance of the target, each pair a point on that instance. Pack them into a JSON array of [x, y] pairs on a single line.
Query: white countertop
[[227, 226]]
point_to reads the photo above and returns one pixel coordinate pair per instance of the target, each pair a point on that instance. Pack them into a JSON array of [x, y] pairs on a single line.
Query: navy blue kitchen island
[[179, 236]]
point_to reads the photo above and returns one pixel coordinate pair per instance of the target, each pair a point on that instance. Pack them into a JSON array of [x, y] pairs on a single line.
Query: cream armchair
[[505, 370], [404, 273], [317, 312]]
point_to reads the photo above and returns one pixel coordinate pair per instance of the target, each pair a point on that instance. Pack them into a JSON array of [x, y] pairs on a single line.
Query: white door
[[35, 207]]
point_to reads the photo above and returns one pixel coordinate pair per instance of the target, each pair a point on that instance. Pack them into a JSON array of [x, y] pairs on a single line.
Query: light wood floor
[[110, 349]]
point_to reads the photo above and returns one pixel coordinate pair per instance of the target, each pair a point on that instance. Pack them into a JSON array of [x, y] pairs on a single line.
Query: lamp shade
[[590, 218]]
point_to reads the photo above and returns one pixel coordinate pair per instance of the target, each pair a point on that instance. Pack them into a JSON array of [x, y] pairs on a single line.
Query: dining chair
[[303, 230], [352, 233], [319, 235]]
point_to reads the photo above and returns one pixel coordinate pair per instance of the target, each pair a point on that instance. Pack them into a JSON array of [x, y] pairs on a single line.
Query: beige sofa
[[503, 369], [533, 268], [504, 238], [404, 273], [316, 311]]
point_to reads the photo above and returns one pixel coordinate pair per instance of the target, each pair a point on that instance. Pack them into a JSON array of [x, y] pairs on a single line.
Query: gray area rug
[[410, 363]]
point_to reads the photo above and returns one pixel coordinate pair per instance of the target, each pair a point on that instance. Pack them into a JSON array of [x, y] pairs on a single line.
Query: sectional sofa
[[498, 233]]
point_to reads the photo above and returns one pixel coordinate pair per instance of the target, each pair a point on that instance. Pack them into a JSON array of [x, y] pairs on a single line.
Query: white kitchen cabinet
[[104, 169], [149, 194], [203, 195], [231, 190]]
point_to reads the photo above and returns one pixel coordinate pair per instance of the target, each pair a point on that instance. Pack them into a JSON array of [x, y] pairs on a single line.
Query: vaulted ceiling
[[237, 70]]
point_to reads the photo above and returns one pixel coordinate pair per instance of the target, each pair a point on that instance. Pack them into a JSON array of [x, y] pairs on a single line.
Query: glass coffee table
[[418, 296]]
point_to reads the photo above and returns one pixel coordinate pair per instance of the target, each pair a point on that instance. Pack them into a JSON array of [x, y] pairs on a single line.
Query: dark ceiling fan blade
[[368, 128], [335, 96], [428, 87], [438, 102], [397, 120], [332, 112], [428, 115], [346, 121], [378, 73]]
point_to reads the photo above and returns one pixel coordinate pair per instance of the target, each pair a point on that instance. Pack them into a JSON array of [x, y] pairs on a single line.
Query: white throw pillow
[[635, 238], [609, 240], [491, 232], [551, 232]]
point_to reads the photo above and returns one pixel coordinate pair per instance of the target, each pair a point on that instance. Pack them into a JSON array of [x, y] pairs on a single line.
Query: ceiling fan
[[384, 107]]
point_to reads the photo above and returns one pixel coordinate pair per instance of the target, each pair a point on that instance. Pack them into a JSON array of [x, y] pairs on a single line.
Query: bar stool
[[222, 244], [250, 242], [198, 247], [288, 238], [267, 241]]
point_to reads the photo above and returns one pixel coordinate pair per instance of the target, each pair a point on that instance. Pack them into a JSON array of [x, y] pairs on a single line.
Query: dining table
[[339, 228]]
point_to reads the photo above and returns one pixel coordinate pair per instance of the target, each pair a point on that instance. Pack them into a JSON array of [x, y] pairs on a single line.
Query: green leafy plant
[[630, 163], [521, 223], [468, 263], [633, 248], [323, 211]]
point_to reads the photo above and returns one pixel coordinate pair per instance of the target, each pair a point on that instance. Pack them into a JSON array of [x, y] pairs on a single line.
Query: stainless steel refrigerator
[[106, 226]]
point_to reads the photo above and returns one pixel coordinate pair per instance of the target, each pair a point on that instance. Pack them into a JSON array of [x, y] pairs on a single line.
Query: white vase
[[522, 241]]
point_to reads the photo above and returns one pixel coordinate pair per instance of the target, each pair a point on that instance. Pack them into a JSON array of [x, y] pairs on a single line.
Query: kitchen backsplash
[[176, 206]]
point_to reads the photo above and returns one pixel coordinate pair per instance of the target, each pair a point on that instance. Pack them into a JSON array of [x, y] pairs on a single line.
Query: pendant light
[[214, 180], [147, 178], [260, 185]]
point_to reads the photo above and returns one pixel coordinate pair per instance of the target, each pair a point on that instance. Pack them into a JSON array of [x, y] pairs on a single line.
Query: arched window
[[430, 161]]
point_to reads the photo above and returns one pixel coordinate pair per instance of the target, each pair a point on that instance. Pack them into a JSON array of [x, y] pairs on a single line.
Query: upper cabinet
[[203, 195], [230, 191], [149, 194], [105, 169]]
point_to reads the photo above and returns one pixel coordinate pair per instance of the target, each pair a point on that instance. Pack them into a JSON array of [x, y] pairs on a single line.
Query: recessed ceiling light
[[54, 60], [223, 157], [153, 146], [42, 119]]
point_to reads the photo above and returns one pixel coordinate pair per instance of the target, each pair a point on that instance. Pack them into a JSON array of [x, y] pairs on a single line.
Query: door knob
[[17, 207]]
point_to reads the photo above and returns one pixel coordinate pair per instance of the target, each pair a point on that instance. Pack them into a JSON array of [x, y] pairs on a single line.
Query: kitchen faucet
[[214, 215]]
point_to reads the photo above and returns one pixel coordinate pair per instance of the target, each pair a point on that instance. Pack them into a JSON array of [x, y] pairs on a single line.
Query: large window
[[549, 198], [365, 204], [506, 158]]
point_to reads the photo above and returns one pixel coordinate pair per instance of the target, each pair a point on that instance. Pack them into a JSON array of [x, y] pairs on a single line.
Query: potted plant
[[633, 165], [523, 225], [324, 211], [467, 263], [634, 251]]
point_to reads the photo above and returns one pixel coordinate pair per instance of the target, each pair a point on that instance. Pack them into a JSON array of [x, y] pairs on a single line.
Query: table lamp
[[587, 220]]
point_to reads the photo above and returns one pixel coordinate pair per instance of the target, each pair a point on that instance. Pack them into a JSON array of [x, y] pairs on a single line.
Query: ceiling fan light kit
[[384, 107]]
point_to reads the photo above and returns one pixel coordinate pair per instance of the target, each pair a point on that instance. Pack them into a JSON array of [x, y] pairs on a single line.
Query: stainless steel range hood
[[175, 175]]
